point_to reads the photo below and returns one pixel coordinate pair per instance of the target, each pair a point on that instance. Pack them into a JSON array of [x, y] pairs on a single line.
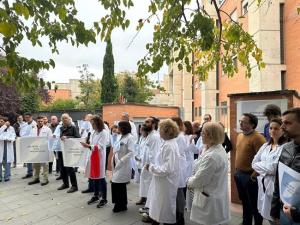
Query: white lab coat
[[150, 147], [265, 163], [210, 183], [182, 146], [10, 137], [189, 157], [44, 132], [161, 198], [121, 171], [99, 139], [133, 130], [26, 130]]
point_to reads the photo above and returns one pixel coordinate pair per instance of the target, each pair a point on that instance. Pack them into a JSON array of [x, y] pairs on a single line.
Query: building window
[[245, 5], [281, 14], [234, 15], [235, 62], [224, 108], [283, 80], [200, 111], [195, 111]]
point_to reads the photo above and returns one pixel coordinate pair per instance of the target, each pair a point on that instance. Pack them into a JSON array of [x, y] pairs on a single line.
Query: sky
[[70, 57]]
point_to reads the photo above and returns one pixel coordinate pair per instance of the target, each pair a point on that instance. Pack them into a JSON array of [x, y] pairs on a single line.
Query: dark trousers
[[50, 167], [57, 169], [91, 185], [15, 153], [67, 172], [248, 191], [100, 186], [180, 205], [119, 195], [107, 155]]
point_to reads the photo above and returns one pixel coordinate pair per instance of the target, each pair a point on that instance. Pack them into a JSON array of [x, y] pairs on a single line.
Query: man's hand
[[147, 166], [287, 210], [63, 138], [85, 144]]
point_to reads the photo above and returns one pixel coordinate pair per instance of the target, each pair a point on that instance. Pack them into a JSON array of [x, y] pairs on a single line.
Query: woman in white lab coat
[[210, 182], [121, 166], [96, 164], [161, 199], [183, 165], [265, 164], [7, 137]]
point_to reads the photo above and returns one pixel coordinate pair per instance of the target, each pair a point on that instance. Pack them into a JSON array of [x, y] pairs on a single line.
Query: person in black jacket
[[227, 143], [284, 214], [67, 131]]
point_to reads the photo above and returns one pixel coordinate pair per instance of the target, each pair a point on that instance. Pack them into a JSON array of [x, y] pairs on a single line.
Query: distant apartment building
[[275, 26], [65, 91]]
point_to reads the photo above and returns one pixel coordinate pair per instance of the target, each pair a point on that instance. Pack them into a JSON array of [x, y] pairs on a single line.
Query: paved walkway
[[24, 204]]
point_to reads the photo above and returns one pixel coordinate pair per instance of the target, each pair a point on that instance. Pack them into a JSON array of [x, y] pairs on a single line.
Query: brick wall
[[113, 112]]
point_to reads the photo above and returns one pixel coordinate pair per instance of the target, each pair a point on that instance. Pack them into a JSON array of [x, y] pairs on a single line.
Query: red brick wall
[[60, 94], [292, 44], [113, 112]]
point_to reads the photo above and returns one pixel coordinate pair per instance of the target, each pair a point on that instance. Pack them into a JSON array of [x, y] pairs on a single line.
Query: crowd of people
[[179, 165]]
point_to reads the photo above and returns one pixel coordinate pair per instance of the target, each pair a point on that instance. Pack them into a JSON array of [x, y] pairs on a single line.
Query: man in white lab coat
[[40, 131], [7, 137], [25, 131], [151, 147]]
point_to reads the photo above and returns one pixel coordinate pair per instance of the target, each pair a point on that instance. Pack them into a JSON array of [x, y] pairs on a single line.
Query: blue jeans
[[284, 220], [5, 164], [29, 168], [248, 191], [100, 186]]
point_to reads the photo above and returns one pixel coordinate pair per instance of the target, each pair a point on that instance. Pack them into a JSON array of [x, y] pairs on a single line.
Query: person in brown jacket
[[247, 145]]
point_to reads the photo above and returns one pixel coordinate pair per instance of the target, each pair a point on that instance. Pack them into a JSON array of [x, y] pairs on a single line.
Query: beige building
[[73, 86]]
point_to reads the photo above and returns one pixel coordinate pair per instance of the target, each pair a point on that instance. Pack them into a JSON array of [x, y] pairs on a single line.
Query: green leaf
[[7, 29]]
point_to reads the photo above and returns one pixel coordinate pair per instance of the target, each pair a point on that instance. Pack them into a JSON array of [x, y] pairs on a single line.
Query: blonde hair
[[168, 129], [215, 132]]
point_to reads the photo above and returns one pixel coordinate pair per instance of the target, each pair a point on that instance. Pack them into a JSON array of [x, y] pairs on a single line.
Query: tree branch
[[219, 21]]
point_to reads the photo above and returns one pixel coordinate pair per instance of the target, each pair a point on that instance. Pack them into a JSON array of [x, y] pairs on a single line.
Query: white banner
[[289, 185], [74, 154], [32, 150]]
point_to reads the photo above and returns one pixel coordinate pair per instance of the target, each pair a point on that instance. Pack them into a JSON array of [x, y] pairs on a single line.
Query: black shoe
[[72, 189], [87, 191], [45, 183], [119, 209], [102, 203], [35, 181], [62, 187], [93, 200], [7, 179], [58, 178], [142, 201], [27, 176]]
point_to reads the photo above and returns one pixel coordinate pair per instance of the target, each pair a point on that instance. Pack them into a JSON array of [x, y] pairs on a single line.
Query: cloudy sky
[[70, 57]]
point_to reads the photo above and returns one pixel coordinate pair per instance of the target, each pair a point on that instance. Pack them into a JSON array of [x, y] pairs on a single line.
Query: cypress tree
[[109, 86]]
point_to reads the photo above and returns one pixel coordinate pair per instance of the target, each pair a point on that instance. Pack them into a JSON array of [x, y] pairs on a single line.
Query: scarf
[[95, 168]]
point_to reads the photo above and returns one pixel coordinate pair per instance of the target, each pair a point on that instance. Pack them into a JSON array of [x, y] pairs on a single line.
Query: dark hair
[[40, 117], [272, 110], [155, 121], [3, 118], [208, 116], [98, 122], [125, 127], [282, 139], [27, 114], [188, 127], [179, 122], [252, 119], [105, 122], [295, 111]]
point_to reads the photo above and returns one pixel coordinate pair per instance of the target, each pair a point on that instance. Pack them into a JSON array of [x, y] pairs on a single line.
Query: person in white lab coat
[[25, 132], [265, 164], [182, 146], [121, 166], [150, 147], [161, 199], [95, 169], [210, 182], [7, 137], [40, 130]]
